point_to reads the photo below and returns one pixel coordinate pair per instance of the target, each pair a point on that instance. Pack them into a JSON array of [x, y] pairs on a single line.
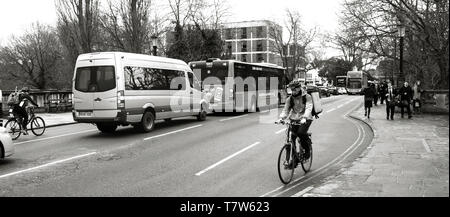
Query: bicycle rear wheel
[[37, 126], [14, 128], [285, 165], [306, 164]]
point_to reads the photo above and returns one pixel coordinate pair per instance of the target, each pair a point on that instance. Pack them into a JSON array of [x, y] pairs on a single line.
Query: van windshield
[[95, 79]]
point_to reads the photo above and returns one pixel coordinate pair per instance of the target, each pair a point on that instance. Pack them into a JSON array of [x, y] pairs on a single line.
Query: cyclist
[[299, 111], [20, 109]]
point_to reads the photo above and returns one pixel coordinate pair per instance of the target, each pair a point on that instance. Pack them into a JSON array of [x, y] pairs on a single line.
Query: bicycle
[[14, 126], [289, 158]]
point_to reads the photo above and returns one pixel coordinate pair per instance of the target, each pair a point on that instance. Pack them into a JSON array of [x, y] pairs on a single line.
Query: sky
[[17, 15]]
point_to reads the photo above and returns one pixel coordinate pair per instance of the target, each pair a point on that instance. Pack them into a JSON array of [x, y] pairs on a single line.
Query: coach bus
[[234, 86], [356, 82]]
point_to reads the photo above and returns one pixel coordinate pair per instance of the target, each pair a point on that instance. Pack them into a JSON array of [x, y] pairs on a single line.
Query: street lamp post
[[401, 34], [154, 44]]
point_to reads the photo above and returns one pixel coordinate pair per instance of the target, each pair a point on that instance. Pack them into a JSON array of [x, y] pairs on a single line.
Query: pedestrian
[[383, 92], [417, 92], [369, 94], [376, 95], [390, 101], [406, 97]]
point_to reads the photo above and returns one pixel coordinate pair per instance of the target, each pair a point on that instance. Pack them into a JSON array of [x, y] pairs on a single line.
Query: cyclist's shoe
[[287, 165], [24, 132]]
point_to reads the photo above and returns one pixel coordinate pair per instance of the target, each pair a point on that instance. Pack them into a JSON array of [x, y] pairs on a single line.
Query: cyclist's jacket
[[299, 108], [23, 100]]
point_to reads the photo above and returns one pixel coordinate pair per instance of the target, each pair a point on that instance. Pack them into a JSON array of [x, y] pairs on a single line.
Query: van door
[[83, 99], [105, 96]]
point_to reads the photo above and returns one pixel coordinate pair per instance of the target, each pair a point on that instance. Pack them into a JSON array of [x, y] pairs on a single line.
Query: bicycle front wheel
[[37, 126], [14, 128], [306, 164], [285, 165]]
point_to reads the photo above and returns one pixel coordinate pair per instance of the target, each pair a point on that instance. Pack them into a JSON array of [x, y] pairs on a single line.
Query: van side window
[[140, 78], [193, 81]]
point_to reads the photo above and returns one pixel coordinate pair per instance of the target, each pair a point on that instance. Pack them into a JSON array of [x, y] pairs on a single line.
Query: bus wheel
[[147, 123], [106, 127], [202, 115]]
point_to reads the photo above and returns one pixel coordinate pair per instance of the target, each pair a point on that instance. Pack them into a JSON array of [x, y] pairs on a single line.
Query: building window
[[244, 58], [228, 34], [244, 47], [259, 32], [260, 58], [229, 48], [243, 33], [259, 46]]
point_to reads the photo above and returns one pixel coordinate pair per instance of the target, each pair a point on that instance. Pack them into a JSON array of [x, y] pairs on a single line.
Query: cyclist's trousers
[[23, 114], [301, 131]]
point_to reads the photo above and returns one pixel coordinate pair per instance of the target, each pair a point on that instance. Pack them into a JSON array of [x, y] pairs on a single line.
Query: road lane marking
[[54, 137], [319, 171], [425, 144], [227, 119], [176, 131], [278, 132], [47, 165], [226, 159], [299, 194]]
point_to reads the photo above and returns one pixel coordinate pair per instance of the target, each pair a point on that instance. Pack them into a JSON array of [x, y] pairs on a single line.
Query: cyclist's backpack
[[317, 105], [13, 99]]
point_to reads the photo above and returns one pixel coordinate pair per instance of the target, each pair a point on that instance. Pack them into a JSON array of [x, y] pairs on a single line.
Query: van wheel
[[147, 123], [106, 128], [202, 115]]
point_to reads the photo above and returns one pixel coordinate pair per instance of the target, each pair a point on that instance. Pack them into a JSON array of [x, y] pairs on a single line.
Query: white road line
[[322, 169], [319, 171], [228, 158], [47, 165], [53, 137], [278, 132], [177, 131], [425, 144], [227, 119], [303, 191], [265, 111], [331, 110]]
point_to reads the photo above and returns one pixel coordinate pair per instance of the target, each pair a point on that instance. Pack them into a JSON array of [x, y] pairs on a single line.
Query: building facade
[[251, 41]]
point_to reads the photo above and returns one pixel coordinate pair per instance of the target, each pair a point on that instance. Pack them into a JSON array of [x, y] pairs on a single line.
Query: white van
[[113, 88]]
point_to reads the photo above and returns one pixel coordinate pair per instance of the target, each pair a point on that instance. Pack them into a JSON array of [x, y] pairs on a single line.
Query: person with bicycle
[[20, 108], [301, 112]]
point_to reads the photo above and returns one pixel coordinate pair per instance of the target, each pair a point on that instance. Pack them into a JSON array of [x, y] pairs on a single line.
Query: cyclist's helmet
[[295, 84], [26, 89]]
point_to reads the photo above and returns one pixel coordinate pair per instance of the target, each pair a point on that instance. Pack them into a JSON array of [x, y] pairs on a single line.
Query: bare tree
[[78, 21], [426, 39], [294, 48], [127, 24], [33, 58]]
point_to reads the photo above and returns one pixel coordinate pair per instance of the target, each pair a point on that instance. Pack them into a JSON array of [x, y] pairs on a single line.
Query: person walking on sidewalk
[[376, 95], [405, 97], [369, 94], [383, 91], [390, 101], [417, 92]]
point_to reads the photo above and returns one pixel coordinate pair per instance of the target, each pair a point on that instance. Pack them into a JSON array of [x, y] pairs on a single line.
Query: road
[[227, 155]]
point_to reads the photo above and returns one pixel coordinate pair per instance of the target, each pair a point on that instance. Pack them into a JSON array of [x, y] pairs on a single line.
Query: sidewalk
[[407, 158]]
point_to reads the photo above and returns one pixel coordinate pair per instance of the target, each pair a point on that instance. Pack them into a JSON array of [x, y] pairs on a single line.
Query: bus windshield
[[354, 83]]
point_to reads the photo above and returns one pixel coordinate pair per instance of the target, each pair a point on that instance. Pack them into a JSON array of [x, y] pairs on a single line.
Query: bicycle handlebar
[[289, 122]]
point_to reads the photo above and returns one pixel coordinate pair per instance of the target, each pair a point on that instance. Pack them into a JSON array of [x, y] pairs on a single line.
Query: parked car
[[6, 144], [323, 91], [341, 90], [332, 90]]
